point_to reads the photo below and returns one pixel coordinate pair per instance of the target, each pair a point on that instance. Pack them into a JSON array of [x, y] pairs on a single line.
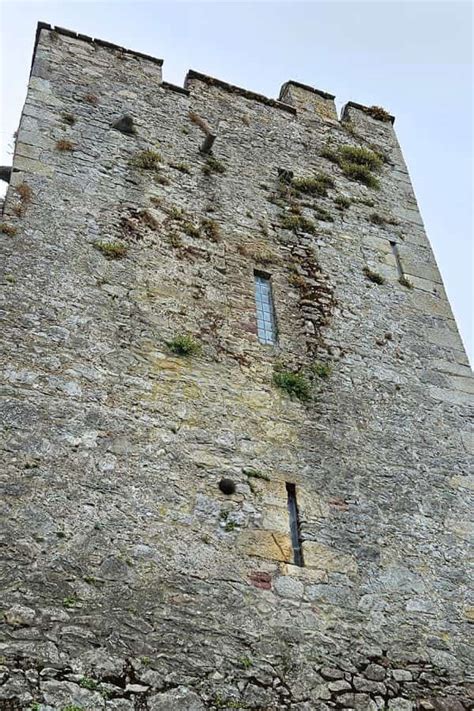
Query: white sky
[[413, 58]]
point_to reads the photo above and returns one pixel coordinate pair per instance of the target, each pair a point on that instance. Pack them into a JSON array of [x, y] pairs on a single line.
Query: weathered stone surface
[[19, 615], [287, 586], [400, 705], [130, 579], [375, 672], [180, 699]]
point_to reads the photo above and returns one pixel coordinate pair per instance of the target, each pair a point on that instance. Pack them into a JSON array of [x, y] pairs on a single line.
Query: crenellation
[[309, 101], [135, 382]]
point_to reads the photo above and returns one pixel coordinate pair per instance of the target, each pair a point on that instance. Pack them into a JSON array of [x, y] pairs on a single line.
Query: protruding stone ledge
[[5, 173], [309, 100]]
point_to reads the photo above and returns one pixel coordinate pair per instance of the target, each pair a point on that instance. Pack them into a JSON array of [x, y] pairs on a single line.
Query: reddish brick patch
[[261, 580]]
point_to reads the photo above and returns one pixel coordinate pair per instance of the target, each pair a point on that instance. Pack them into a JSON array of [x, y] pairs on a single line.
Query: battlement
[[237, 442], [294, 97]]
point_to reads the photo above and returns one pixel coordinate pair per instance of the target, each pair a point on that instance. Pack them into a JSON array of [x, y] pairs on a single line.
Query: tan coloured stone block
[[317, 555], [307, 575], [469, 614], [275, 518], [311, 506], [274, 493], [267, 544], [463, 482], [32, 166]]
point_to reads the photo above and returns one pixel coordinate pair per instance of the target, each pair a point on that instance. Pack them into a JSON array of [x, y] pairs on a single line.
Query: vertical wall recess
[[294, 525], [397, 258]]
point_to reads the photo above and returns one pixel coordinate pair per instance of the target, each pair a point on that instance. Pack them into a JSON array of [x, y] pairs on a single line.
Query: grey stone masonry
[[135, 384]]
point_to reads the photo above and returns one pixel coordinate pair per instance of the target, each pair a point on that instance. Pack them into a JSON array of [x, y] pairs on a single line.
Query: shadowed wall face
[[136, 383]]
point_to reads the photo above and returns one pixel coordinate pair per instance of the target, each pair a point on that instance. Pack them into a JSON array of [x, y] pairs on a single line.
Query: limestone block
[[317, 555], [33, 166], [287, 586], [267, 544], [275, 518], [180, 699]]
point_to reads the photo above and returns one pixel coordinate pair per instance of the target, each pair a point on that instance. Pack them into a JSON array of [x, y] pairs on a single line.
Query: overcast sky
[[413, 58]]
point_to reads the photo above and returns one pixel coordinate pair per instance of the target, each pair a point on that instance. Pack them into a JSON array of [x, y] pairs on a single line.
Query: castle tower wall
[[131, 581]]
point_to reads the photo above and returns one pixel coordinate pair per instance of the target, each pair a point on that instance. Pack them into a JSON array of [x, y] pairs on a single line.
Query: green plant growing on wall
[[360, 156], [146, 160], [88, 683], [373, 276], [184, 345], [213, 165], [379, 113], [245, 662], [330, 153], [321, 370], [191, 229], [356, 162], [173, 211], [322, 214], [70, 601], [361, 174], [314, 185], [378, 219], [298, 222], [342, 203], [296, 385], [182, 167], [111, 250]]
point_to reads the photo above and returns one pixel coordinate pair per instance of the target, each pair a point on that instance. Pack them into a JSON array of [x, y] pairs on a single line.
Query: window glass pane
[[266, 324]]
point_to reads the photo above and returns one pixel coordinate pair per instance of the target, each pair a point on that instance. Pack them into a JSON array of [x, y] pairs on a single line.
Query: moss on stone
[[374, 277], [213, 165], [360, 173], [146, 160], [112, 250], [313, 185], [298, 222]]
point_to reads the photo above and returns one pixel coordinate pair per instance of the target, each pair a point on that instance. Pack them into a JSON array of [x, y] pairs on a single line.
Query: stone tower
[[236, 444]]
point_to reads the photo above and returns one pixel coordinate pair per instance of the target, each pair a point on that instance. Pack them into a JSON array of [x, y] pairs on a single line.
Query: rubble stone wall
[[130, 581]]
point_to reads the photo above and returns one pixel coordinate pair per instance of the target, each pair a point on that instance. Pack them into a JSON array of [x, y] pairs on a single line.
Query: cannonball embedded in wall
[[227, 486]]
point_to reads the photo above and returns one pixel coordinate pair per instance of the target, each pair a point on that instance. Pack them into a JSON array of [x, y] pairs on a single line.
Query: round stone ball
[[227, 486]]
